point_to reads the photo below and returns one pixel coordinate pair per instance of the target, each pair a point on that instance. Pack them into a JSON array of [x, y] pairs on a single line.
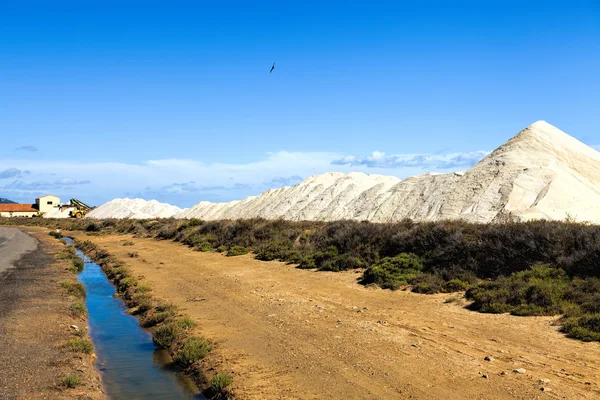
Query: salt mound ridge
[[134, 208], [58, 212], [541, 173]]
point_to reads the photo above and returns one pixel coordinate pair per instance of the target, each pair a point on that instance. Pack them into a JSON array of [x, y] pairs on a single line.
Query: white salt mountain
[[541, 173], [135, 209]]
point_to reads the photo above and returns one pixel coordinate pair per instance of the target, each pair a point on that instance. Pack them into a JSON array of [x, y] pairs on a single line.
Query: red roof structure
[[17, 208]]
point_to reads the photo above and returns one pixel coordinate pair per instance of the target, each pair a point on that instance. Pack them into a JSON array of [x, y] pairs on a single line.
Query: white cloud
[[71, 182], [185, 182], [13, 173], [175, 180], [378, 159]]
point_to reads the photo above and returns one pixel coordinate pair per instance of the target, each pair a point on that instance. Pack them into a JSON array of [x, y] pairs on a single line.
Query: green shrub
[[56, 234], [78, 310], [222, 248], [538, 291], [186, 322], [329, 260], [237, 251], [293, 257], [204, 247], [219, 384], [309, 261], [166, 334], [128, 243], [194, 222], [142, 288], [275, 250], [193, 349], [342, 263], [81, 332], [125, 283], [67, 253], [156, 318], [71, 381], [455, 285], [166, 307], [79, 345], [585, 328], [77, 265], [93, 227], [144, 304], [393, 272], [74, 288], [428, 284]]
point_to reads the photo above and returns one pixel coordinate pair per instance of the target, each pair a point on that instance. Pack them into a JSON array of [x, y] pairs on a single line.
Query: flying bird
[[272, 68]]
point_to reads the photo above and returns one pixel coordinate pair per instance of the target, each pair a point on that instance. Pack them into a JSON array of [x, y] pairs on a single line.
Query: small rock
[[588, 383], [545, 389], [415, 345], [545, 380], [484, 376], [75, 327], [489, 358], [503, 373], [520, 370]]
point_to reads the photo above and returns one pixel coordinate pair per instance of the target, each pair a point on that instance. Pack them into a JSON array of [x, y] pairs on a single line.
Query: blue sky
[[174, 100]]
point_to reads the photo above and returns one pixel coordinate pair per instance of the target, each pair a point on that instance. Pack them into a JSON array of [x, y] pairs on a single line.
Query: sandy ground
[[35, 322], [294, 334]]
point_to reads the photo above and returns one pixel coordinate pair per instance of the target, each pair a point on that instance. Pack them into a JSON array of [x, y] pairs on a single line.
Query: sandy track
[[288, 333]]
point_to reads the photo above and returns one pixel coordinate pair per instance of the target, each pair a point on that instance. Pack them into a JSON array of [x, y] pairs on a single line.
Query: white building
[[47, 203]]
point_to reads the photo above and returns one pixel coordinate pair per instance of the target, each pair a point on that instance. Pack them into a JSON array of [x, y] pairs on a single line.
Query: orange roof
[[17, 208]]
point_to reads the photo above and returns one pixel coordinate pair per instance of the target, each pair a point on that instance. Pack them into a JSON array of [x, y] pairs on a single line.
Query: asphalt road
[[13, 245]]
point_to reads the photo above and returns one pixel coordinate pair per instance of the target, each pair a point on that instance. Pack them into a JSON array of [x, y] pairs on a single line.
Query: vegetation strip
[[170, 330], [435, 257], [81, 343]]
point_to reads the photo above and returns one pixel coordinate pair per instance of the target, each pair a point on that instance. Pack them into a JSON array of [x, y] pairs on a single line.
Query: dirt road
[[294, 334], [35, 322], [13, 244]]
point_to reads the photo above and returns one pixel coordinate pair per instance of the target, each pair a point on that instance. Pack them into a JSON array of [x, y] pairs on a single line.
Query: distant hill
[[7, 201]]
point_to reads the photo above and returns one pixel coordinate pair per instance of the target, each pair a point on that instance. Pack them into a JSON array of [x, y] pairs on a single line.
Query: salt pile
[[135, 209], [58, 212], [541, 173]]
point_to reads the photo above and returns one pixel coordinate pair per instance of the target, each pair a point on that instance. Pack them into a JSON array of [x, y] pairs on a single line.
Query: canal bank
[[130, 364]]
